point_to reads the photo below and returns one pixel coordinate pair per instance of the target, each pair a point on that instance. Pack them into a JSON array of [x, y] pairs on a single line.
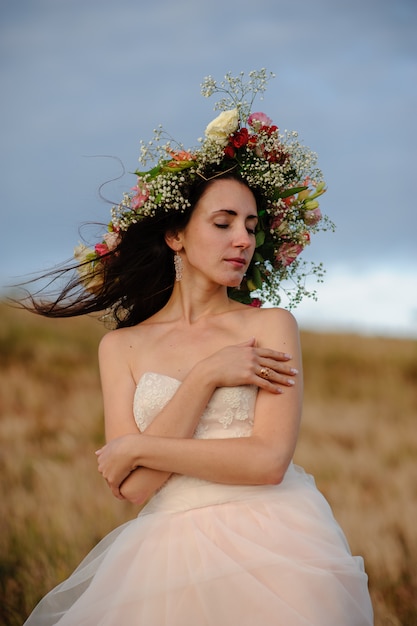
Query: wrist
[[133, 452], [203, 377]]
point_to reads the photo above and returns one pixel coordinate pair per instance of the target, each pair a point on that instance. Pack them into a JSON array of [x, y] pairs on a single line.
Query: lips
[[237, 262]]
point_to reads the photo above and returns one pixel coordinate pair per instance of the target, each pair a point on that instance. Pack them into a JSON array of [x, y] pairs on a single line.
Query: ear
[[174, 240]]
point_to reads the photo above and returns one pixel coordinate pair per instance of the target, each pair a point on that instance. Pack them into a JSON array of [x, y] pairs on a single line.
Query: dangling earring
[[178, 266]]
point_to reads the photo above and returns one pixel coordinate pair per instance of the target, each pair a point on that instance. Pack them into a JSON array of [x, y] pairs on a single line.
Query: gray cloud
[[94, 77]]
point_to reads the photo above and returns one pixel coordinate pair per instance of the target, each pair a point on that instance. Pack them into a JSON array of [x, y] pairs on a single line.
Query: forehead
[[228, 195]]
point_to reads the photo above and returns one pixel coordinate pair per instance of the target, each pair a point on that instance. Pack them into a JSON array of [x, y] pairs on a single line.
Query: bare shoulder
[[275, 314], [119, 340], [276, 328], [274, 319]]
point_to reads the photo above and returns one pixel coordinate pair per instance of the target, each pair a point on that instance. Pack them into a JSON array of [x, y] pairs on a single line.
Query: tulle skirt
[[219, 555]]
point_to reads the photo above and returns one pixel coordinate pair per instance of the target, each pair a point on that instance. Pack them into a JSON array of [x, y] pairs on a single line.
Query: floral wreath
[[249, 145]]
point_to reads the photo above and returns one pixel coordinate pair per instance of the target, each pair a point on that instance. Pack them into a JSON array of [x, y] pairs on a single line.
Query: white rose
[[223, 126]]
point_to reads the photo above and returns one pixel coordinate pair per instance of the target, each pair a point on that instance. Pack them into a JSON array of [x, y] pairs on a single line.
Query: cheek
[[205, 240], [201, 246]]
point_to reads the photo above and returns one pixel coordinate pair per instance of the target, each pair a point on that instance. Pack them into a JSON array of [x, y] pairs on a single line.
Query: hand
[[245, 364], [116, 460]]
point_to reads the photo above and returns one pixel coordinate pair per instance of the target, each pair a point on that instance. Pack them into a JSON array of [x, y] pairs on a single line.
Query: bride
[[202, 393]]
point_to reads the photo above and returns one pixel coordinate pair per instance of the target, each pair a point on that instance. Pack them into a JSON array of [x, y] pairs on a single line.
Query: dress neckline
[[150, 373]]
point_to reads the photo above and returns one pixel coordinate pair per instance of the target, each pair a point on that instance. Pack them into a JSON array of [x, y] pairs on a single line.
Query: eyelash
[[251, 231]]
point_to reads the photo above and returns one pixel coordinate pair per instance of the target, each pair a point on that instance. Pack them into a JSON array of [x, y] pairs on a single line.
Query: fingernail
[[293, 370], [290, 381]]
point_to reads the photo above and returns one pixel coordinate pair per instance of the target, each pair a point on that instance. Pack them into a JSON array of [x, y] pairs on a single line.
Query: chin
[[234, 283]]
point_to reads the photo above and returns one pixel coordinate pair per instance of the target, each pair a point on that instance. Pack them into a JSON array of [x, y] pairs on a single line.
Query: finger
[[268, 385], [279, 369], [264, 379], [273, 378], [274, 354], [116, 492]]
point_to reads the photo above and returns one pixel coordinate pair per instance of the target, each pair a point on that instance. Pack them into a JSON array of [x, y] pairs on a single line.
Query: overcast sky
[[92, 77]]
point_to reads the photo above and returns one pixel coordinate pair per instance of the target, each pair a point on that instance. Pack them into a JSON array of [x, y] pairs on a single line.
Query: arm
[[178, 419], [267, 452]]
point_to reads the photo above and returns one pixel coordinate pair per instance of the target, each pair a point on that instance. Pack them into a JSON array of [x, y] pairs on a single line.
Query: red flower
[[268, 130], [240, 138], [277, 156], [256, 302], [229, 151]]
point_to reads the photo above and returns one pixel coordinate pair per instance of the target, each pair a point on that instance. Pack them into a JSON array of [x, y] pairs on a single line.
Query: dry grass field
[[359, 439]]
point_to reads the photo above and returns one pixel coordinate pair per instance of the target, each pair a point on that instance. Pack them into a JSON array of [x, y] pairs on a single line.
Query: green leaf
[[151, 173], [259, 238], [178, 167], [240, 296], [289, 192], [257, 278]]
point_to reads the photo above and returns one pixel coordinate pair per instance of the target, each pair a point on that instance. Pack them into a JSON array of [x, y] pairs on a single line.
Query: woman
[[231, 531]]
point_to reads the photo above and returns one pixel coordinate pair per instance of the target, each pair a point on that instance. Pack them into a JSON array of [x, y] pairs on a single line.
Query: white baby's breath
[[275, 165]]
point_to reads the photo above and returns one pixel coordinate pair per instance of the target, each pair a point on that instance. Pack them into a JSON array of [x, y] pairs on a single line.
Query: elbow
[[274, 470], [275, 478], [269, 461], [139, 498]]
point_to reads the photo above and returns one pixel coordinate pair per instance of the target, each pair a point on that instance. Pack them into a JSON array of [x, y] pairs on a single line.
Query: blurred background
[[82, 79]]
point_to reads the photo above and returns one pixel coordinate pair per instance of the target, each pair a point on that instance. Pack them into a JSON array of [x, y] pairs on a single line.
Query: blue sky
[[92, 77]]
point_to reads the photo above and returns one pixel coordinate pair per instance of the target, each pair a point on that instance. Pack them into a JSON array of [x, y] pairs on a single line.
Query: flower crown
[[276, 166]]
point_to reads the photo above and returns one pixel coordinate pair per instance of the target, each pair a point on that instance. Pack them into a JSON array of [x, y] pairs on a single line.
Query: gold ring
[[265, 372]]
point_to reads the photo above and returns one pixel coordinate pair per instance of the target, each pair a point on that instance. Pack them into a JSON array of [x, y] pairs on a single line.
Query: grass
[[358, 439]]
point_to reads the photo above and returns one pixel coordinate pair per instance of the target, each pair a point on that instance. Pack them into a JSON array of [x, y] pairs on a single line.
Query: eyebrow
[[232, 212]]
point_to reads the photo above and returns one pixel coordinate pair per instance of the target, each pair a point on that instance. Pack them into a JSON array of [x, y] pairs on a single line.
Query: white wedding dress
[[206, 554]]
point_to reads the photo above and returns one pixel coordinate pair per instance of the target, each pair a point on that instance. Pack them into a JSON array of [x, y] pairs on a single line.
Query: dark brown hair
[[138, 274]]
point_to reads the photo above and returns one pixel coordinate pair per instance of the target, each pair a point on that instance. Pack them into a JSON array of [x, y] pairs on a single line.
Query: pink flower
[[141, 196], [257, 120], [101, 249], [112, 239], [277, 221], [288, 252], [180, 156], [312, 216], [180, 161], [256, 302]]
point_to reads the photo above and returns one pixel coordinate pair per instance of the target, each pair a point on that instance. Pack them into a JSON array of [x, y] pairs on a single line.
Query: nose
[[242, 238]]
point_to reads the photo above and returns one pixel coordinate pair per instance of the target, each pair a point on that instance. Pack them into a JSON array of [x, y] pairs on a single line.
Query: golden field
[[359, 439]]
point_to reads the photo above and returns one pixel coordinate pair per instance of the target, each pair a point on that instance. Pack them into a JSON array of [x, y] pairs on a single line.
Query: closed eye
[[251, 231]]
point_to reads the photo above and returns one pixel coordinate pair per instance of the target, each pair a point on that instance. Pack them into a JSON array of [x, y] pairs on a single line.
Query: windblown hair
[[138, 274]]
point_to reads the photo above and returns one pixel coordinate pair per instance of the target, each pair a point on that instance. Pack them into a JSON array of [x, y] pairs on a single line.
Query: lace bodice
[[229, 412]]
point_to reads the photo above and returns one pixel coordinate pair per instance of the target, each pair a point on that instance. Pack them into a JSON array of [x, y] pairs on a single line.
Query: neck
[[191, 304]]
